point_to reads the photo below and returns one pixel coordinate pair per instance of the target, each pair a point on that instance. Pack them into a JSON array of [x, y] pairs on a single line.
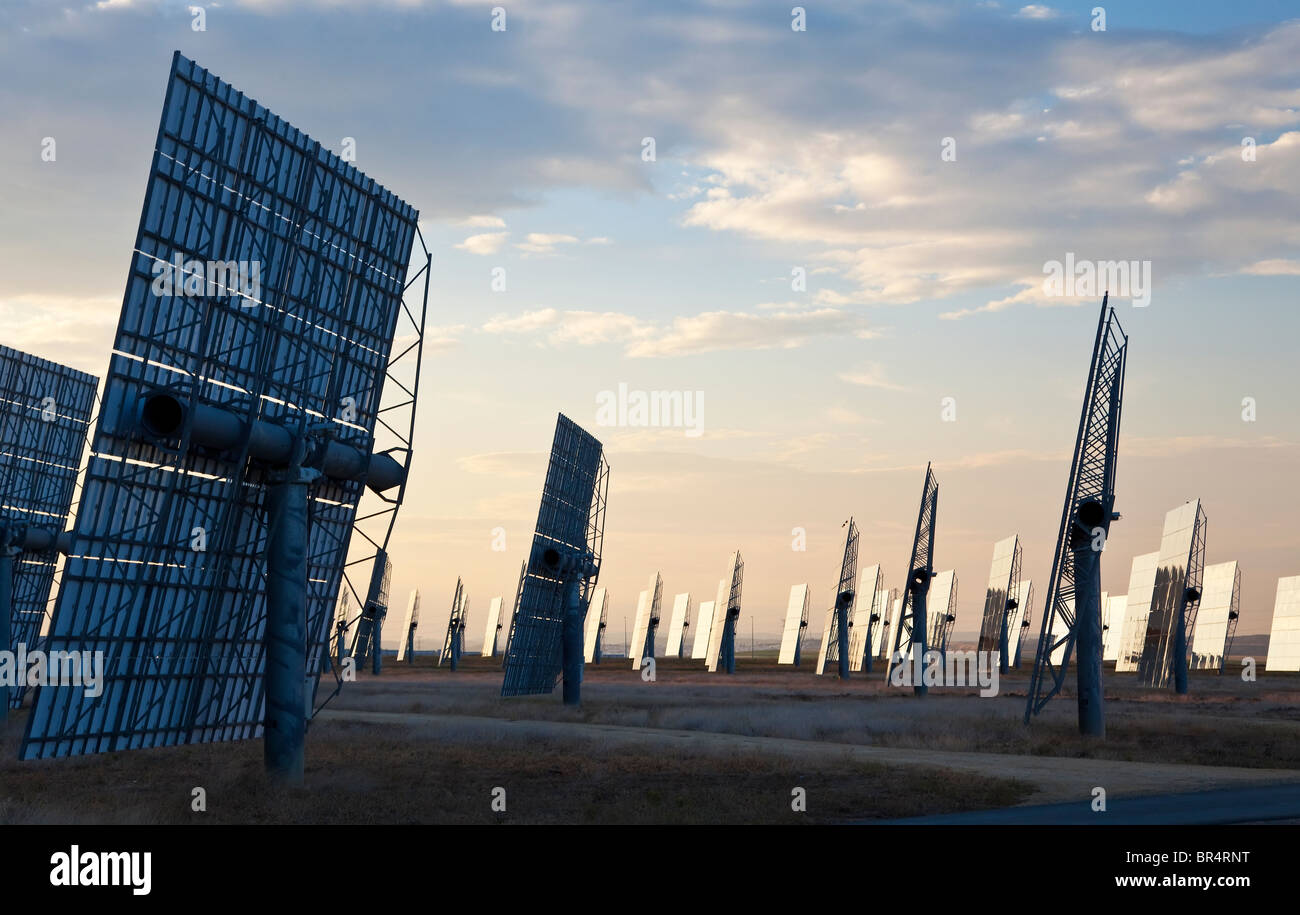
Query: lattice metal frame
[[848, 581], [1156, 665], [1092, 477], [455, 622]]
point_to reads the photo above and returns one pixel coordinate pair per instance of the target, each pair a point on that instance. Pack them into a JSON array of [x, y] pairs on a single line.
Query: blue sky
[[774, 150]]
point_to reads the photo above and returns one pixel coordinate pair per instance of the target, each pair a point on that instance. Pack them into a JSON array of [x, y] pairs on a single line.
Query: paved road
[[1056, 778], [1200, 808]]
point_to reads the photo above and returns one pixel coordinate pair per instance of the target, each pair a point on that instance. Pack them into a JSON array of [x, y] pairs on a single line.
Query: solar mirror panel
[[490, 628], [1220, 606], [406, 634], [44, 418], [1284, 633], [266, 280], [1178, 576], [796, 621], [703, 631], [866, 605], [595, 619], [570, 521], [1116, 620], [678, 624], [1141, 587]]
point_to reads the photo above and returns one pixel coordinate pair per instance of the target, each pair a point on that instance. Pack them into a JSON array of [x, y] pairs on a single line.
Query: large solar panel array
[[571, 519], [1216, 621], [1284, 634], [1179, 574], [308, 344], [44, 420], [796, 622]]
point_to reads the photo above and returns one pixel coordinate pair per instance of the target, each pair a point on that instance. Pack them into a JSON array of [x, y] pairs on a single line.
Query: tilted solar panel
[[266, 280], [570, 520], [44, 419]]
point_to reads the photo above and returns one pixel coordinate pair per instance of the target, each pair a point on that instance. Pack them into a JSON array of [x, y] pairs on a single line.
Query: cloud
[[870, 376], [543, 243], [485, 243], [1275, 267], [707, 332], [1037, 11], [482, 222]]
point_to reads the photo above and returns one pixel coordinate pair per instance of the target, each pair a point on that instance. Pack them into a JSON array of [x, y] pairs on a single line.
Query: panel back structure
[[1116, 620], [726, 614], [509, 624], [1284, 633], [565, 555], [679, 626], [45, 412], [703, 631], [1216, 621], [796, 624], [1175, 600], [1086, 516], [594, 628], [1141, 589], [1000, 602], [911, 631], [268, 281], [491, 628], [868, 619], [367, 640], [406, 647]]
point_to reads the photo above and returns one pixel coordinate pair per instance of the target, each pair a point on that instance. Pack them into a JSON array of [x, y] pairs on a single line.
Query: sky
[[918, 165]]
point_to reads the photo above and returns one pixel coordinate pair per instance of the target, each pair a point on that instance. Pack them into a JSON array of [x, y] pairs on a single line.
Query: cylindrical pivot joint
[[842, 602], [285, 639], [571, 657], [1087, 638]]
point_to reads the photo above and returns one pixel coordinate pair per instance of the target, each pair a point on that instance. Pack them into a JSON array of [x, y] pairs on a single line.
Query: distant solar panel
[[266, 284], [1116, 620], [943, 609], [880, 635], [406, 647], [679, 625], [647, 621], [595, 626], [1284, 633], [1177, 596], [453, 638], [570, 524], [491, 627], [1018, 622], [1216, 621], [796, 624], [726, 613], [910, 634], [703, 631], [868, 618], [1000, 600], [1141, 588], [44, 418]]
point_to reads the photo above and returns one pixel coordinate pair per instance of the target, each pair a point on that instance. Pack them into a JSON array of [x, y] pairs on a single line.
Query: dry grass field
[[423, 745]]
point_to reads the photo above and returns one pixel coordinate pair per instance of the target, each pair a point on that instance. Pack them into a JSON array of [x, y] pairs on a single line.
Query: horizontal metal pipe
[[164, 415]]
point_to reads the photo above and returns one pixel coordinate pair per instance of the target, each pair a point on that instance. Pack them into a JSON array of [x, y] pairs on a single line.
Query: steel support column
[[1087, 629]]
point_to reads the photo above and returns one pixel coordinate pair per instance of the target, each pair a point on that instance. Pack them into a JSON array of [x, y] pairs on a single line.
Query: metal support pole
[[842, 602], [600, 639], [285, 639], [866, 651], [571, 640], [1087, 629], [376, 652], [729, 643], [1004, 642], [1180, 648], [919, 634]]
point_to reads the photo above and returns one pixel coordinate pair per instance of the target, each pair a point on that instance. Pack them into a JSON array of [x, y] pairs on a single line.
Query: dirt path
[[1056, 778]]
